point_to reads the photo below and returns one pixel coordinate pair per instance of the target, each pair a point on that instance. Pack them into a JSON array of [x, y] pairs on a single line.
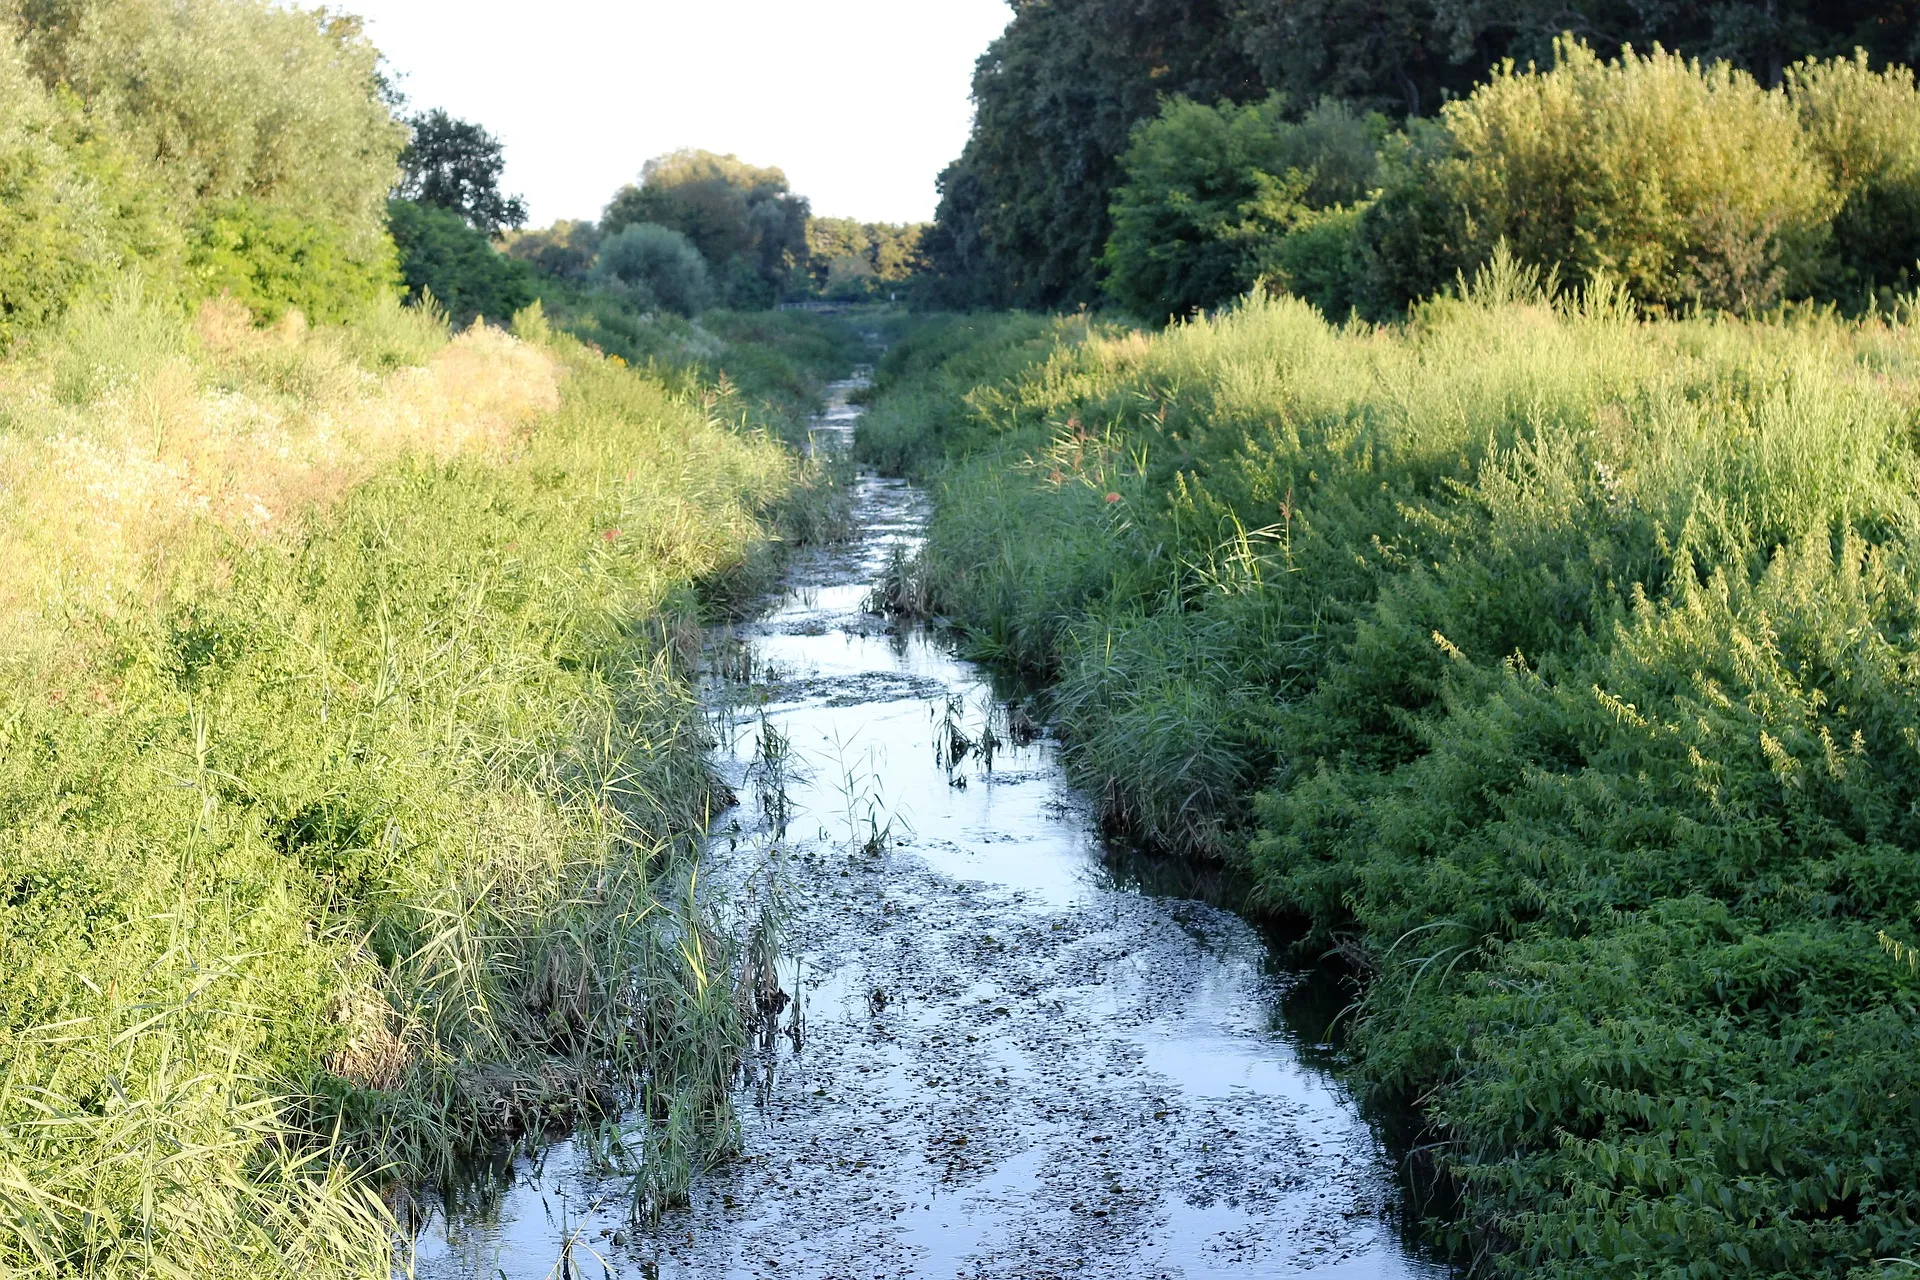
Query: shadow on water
[[1001, 1047]]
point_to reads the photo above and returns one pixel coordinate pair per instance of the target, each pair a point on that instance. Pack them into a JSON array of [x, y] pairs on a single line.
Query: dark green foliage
[[460, 267], [455, 164], [1211, 191], [654, 266], [564, 251], [744, 221], [1572, 660], [1023, 216]]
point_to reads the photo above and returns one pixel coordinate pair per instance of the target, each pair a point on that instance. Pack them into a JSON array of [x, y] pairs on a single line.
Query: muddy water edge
[[1009, 1051]]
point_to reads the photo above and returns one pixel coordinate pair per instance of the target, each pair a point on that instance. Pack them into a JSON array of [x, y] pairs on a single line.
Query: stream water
[[1017, 1058]]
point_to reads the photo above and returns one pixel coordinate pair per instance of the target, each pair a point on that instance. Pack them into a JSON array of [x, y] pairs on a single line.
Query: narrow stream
[[1015, 1061]]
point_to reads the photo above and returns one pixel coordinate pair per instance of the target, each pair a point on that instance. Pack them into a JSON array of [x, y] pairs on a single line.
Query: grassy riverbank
[[347, 763], [1556, 665]]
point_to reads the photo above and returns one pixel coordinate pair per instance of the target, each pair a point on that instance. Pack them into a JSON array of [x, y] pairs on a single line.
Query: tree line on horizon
[[1080, 100], [697, 230]]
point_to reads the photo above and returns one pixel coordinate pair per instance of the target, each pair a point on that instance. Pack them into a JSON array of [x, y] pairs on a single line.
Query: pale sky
[[862, 102]]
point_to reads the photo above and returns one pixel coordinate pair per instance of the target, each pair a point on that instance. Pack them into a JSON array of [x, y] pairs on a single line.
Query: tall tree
[[455, 165], [1055, 98]]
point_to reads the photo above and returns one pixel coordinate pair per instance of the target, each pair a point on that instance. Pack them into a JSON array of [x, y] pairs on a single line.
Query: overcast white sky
[[862, 102]]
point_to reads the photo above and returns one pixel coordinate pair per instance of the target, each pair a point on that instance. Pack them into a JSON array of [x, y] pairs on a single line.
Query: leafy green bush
[[655, 266], [51, 225], [1211, 190], [442, 256], [225, 100], [213, 144], [1865, 128], [1319, 260], [272, 258], [1691, 184]]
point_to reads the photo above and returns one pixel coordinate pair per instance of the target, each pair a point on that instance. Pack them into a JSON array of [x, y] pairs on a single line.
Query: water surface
[[1010, 1060]]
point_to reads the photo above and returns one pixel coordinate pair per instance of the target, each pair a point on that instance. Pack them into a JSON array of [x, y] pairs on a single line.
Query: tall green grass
[[338, 840], [1555, 665]]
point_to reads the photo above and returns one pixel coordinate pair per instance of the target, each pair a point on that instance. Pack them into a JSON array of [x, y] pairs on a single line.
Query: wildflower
[[1112, 498], [610, 534]]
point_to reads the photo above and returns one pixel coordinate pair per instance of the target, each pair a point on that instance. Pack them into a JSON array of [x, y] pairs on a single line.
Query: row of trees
[[1025, 215], [1690, 184], [697, 230]]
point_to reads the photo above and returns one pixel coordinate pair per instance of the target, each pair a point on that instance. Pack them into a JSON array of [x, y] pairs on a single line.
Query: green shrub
[[655, 266], [441, 255], [225, 100], [52, 234], [1864, 126], [1691, 184], [220, 145], [1211, 191], [1319, 260]]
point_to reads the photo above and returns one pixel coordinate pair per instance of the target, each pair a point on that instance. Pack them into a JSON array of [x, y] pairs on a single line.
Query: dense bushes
[[124, 146], [1210, 193], [1024, 212], [1690, 185], [263, 169], [1864, 128], [443, 257], [1569, 656], [52, 229]]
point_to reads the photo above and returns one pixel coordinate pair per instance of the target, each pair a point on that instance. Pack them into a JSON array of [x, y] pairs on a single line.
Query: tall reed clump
[[348, 769], [1554, 664]]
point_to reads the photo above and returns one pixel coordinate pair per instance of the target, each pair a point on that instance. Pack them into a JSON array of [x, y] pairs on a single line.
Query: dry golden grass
[[249, 429]]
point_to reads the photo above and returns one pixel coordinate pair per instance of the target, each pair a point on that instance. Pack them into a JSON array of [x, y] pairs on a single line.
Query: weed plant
[[349, 771], [1555, 664]]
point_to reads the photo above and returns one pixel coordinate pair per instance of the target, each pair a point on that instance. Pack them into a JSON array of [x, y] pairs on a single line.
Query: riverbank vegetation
[[1534, 631], [1551, 664], [349, 765]]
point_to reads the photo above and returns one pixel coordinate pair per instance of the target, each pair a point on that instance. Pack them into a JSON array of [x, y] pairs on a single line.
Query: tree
[[455, 165], [655, 266], [1023, 216], [1024, 210], [743, 220], [564, 251], [441, 255], [848, 259], [1211, 191], [219, 144]]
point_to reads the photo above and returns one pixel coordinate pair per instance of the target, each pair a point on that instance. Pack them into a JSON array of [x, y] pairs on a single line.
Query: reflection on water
[[1024, 1055]]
